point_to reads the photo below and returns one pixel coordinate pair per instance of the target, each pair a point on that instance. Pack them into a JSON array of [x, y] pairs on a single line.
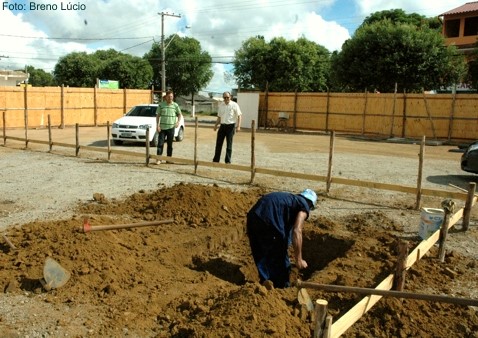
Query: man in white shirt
[[229, 119]]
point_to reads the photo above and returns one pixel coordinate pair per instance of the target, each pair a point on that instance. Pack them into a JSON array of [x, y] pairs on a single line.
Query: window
[[471, 26], [452, 28]]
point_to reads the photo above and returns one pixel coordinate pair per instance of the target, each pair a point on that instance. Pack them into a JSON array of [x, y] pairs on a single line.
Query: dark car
[[469, 159]]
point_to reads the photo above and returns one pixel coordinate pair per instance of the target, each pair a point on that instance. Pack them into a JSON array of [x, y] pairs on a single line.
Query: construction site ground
[[195, 277]]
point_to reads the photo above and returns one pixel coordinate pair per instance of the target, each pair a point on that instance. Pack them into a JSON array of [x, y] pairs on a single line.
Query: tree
[[282, 65], [188, 67], [130, 71], [82, 69], [383, 53], [76, 69], [398, 16], [39, 78], [472, 75]]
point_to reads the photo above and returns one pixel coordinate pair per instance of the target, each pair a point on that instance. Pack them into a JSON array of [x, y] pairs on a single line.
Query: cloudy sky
[[39, 32]]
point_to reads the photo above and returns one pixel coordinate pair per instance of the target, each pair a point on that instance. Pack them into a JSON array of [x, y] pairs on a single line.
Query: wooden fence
[[67, 106], [449, 117], [436, 116]]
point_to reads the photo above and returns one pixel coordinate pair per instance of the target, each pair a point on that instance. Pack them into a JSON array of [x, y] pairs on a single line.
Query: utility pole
[[163, 50]]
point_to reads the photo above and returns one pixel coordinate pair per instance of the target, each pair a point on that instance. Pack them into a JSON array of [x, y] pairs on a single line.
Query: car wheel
[[117, 142], [180, 136]]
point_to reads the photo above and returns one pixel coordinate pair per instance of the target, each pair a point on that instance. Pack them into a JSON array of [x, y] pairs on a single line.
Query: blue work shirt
[[279, 210]]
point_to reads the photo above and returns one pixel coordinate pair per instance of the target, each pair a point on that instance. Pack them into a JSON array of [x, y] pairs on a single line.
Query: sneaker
[[159, 161]]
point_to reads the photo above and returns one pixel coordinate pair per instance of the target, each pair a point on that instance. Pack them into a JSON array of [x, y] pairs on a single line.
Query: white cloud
[[221, 27]]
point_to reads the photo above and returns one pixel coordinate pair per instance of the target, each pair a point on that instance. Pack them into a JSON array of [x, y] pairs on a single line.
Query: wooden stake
[[108, 138], [420, 174], [331, 157], [444, 230], [401, 268], [253, 150], [320, 312], [50, 142], [470, 200], [77, 139], [147, 146], [196, 124], [328, 327]]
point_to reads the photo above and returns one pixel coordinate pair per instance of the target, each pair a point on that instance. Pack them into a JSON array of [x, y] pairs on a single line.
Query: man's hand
[[301, 264]]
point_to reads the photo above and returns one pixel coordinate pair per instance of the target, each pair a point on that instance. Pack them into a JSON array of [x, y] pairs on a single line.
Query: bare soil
[[195, 277]]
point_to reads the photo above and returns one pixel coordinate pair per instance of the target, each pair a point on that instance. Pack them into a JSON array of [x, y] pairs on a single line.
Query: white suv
[[132, 127]]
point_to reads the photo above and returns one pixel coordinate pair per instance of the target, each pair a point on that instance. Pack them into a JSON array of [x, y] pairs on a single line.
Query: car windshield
[[148, 111]]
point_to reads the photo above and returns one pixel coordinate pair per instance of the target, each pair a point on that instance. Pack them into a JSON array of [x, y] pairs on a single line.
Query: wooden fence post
[[420, 174], [295, 111], [320, 313], [4, 117], [147, 146], [331, 157], [25, 113], [108, 138], [452, 115], [327, 111], [124, 101], [50, 142], [253, 150], [266, 99], [401, 269], [196, 124], [95, 105], [427, 108], [449, 206], [393, 111], [364, 112], [77, 139], [468, 205], [404, 117], [62, 105]]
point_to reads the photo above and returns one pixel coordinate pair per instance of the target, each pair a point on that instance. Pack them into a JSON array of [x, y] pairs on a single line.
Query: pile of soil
[[195, 277]]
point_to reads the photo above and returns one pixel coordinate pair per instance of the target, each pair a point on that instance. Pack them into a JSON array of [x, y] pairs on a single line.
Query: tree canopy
[[384, 53], [188, 67], [398, 16], [39, 78], [281, 65], [79, 69]]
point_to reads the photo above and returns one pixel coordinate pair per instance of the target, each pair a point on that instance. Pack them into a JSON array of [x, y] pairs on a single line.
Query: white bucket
[[430, 221]]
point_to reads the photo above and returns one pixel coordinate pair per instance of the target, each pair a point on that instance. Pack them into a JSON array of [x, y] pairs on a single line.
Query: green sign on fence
[[108, 84]]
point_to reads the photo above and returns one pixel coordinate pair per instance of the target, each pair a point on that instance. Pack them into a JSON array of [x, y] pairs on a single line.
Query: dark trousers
[[226, 131], [269, 251], [167, 135]]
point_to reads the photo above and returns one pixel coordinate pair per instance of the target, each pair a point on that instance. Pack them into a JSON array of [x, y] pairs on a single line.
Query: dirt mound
[[195, 277]]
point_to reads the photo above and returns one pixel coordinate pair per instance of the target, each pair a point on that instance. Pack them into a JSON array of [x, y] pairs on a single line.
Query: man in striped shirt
[[168, 116]]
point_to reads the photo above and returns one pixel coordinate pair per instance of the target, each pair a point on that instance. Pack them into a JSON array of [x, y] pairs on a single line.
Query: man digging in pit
[[273, 223]]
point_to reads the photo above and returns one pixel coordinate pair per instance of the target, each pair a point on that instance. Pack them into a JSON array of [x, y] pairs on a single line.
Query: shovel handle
[[87, 227]]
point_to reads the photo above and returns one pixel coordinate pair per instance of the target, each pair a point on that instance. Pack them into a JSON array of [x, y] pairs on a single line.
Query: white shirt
[[229, 113]]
